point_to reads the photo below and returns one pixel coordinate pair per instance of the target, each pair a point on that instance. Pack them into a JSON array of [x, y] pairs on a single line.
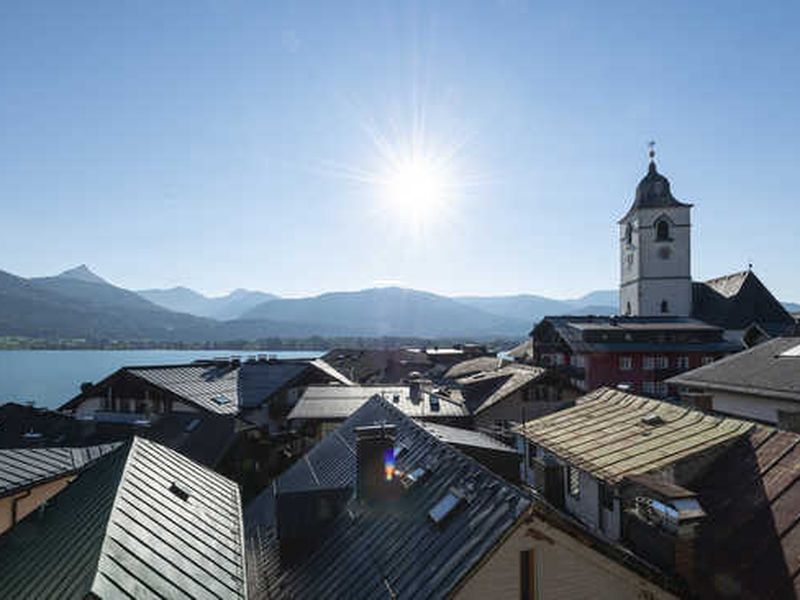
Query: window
[[662, 231], [445, 507], [532, 450], [707, 360], [629, 234], [682, 362], [625, 363], [628, 308], [649, 387], [664, 306], [662, 362], [574, 482], [649, 363], [527, 575], [606, 496], [661, 389]]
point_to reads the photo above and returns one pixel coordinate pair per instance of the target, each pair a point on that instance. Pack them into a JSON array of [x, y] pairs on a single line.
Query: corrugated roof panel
[[608, 433], [374, 553]]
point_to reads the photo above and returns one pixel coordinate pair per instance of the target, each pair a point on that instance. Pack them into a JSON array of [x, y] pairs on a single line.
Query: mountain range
[[78, 304]]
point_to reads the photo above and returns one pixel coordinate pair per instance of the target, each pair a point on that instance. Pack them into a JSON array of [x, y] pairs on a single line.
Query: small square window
[[625, 363]]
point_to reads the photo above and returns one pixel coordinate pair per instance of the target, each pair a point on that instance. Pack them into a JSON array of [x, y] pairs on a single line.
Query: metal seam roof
[[605, 434]]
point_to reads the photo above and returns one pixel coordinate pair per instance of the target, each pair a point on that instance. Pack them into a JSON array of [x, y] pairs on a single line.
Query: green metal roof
[[143, 521]]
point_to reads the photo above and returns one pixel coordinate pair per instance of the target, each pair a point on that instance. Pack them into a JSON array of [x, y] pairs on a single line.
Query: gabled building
[[322, 408], [638, 352], [29, 477], [762, 383], [511, 393], [582, 458], [740, 302], [708, 500], [142, 521], [383, 508], [258, 390]]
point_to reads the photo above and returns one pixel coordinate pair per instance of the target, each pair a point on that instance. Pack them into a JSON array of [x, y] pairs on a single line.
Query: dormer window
[[662, 231]]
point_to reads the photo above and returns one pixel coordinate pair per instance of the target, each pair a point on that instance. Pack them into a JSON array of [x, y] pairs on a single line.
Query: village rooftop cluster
[[653, 454]]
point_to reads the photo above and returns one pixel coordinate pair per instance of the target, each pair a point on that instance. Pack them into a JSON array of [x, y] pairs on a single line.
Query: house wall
[[28, 501], [517, 408], [564, 568], [759, 408], [94, 404], [604, 369]]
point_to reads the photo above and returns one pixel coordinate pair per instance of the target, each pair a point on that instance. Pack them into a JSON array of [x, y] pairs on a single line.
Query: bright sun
[[417, 188]]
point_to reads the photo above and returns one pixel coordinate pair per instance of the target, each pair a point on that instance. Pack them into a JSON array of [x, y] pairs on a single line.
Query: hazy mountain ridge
[[183, 299], [78, 304]]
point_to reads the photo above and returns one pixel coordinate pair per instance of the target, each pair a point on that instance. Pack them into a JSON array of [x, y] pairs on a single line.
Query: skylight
[[221, 400], [415, 476], [445, 507]]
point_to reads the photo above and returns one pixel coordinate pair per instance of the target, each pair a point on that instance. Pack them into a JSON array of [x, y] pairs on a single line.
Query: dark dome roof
[[654, 191]]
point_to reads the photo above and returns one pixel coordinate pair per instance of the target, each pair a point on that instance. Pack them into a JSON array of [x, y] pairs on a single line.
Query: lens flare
[[388, 464]]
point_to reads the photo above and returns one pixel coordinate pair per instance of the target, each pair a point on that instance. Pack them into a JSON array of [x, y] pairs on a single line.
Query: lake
[[51, 377]]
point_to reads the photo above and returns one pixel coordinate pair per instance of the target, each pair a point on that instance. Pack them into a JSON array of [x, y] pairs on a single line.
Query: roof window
[[192, 425], [653, 420], [445, 507], [414, 477], [179, 491], [221, 400]]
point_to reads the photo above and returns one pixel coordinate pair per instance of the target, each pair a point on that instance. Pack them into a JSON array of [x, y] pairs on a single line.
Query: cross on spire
[[652, 152]]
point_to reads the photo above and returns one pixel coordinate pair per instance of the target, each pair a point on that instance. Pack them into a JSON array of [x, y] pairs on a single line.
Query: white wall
[[750, 407]]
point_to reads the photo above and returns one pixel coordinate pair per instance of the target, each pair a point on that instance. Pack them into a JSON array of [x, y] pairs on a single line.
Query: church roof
[[654, 191], [738, 300]]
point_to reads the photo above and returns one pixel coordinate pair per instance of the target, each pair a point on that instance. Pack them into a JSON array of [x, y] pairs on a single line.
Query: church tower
[[655, 270]]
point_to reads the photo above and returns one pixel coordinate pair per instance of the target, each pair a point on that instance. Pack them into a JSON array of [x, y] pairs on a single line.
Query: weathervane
[[652, 153]]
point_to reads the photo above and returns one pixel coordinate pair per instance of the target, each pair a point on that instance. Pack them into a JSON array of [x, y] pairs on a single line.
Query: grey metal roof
[[738, 300], [611, 434], [508, 379], [199, 384], [465, 437], [119, 530], [573, 329], [22, 468], [474, 365], [226, 387], [334, 402], [368, 552], [761, 371]]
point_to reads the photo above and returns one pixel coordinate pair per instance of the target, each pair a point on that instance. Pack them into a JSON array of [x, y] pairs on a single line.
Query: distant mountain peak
[[82, 273]]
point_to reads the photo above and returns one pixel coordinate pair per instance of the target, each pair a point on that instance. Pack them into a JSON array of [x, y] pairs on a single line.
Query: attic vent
[[446, 507], [221, 400], [179, 492], [652, 420]]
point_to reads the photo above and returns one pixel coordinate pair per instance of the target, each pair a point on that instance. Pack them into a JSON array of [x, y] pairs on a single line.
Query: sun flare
[[417, 187]]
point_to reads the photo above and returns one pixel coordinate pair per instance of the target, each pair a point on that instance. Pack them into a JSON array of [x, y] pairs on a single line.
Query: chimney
[[375, 477]]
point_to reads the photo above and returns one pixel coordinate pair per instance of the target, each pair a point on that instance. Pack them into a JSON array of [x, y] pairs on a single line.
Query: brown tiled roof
[[749, 544]]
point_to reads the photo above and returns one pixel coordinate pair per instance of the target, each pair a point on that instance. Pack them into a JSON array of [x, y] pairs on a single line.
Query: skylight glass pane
[[444, 507]]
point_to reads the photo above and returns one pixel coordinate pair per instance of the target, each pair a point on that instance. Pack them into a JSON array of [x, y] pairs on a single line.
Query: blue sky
[[213, 144]]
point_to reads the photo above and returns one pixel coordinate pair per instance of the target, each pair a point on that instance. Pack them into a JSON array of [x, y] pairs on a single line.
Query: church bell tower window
[[662, 231], [664, 306]]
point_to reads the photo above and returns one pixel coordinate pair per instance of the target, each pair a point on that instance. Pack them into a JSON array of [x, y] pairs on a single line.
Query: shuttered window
[[527, 575]]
